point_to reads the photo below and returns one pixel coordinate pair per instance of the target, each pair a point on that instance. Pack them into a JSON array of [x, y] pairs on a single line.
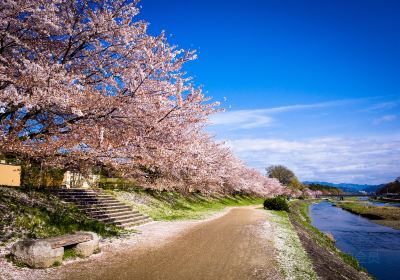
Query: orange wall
[[10, 175]]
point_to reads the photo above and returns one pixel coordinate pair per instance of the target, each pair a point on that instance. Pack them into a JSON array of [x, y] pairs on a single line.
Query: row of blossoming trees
[[82, 84]]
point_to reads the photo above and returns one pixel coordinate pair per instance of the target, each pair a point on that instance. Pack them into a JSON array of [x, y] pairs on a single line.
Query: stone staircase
[[103, 207]]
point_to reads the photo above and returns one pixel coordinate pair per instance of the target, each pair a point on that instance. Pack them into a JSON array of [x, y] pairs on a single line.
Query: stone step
[[77, 194], [120, 218], [98, 202], [103, 212], [74, 191], [137, 223], [115, 214], [90, 199], [79, 189], [122, 222], [91, 208], [103, 207], [83, 195]]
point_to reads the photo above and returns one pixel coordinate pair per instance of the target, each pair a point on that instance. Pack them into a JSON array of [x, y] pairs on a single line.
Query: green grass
[[17, 263], [56, 264], [163, 205], [384, 215], [299, 212], [69, 253], [97, 251], [37, 214], [376, 212]]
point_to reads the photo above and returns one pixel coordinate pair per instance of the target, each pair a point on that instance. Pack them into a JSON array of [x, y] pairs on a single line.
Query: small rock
[[330, 236]]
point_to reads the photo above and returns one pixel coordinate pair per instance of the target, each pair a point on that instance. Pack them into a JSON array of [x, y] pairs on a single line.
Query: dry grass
[[389, 223], [384, 215]]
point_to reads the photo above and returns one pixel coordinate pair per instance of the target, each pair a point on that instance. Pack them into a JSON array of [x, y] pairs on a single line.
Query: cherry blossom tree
[[82, 83]]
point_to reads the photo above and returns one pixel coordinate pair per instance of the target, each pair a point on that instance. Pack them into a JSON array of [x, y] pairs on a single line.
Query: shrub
[[276, 203]]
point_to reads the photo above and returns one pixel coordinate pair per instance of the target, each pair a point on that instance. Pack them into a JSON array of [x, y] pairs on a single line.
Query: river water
[[376, 247]]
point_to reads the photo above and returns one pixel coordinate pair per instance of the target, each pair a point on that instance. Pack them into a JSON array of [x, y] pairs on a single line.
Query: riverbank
[[328, 261], [386, 199], [376, 247], [383, 215], [293, 261]]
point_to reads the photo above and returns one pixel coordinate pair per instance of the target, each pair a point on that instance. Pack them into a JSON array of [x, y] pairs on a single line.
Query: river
[[376, 247]]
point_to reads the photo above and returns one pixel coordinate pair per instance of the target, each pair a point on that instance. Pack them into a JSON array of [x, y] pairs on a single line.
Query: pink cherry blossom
[[82, 84]]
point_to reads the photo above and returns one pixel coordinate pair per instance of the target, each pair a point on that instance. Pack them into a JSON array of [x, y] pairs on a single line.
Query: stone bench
[[42, 253]]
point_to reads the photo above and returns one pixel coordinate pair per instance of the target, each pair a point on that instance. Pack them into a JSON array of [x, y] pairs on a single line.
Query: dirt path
[[236, 245]]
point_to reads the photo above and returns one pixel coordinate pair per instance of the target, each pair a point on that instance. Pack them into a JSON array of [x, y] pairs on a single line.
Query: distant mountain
[[324, 189], [392, 187], [374, 188], [349, 187]]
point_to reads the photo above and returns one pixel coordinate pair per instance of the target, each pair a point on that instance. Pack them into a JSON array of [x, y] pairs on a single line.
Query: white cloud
[[371, 160], [243, 119], [350, 160], [383, 119], [382, 106]]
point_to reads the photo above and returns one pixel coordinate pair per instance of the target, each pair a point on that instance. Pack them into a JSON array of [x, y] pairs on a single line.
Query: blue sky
[[313, 85]]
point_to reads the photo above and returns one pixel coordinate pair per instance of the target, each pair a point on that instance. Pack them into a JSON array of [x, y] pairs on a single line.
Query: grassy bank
[[329, 262], [387, 200], [294, 262], [384, 215], [37, 214], [175, 206]]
